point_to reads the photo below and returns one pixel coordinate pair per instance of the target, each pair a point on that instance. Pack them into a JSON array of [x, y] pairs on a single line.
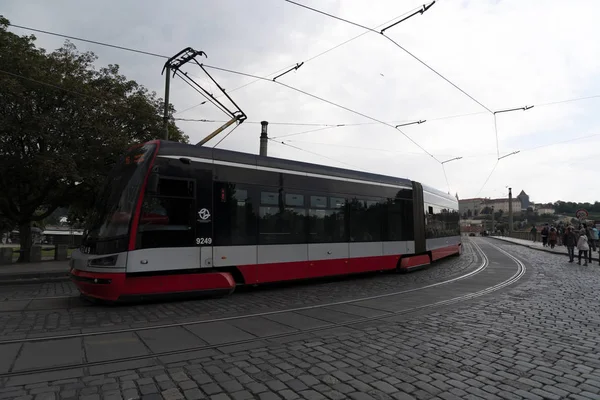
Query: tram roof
[[187, 150]]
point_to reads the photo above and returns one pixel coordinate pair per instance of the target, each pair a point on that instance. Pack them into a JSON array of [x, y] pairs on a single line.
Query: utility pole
[[492, 220], [166, 112], [264, 139], [510, 212]]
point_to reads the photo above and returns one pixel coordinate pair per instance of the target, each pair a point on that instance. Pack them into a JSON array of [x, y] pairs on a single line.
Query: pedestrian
[[552, 237], [588, 233], [583, 247], [545, 235], [533, 232], [570, 240], [594, 235], [561, 231]]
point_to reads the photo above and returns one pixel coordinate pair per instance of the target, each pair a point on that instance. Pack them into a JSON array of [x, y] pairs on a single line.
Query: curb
[[538, 249], [33, 277]]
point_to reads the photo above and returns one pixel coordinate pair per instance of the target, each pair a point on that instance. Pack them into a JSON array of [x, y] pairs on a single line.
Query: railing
[[58, 252]]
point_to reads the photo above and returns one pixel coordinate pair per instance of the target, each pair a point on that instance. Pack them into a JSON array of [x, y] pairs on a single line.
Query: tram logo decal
[[204, 214]]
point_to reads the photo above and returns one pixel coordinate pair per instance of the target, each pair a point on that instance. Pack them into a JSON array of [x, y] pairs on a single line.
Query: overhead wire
[[407, 52], [310, 58], [318, 154], [225, 137], [488, 178], [396, 44], [368, 30], [187, 80], [89, 41], [325, 101], [446, 177], [384, 150], [428, 119], [309, 131]]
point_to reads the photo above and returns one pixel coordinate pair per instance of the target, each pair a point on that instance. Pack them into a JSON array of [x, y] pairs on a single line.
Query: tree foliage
[[62, 122], [569, 207]]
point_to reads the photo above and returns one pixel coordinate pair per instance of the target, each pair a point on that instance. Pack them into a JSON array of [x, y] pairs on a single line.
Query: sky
[[504, 53]]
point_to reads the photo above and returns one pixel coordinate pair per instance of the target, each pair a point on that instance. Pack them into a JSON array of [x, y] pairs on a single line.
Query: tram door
[[204, 216]]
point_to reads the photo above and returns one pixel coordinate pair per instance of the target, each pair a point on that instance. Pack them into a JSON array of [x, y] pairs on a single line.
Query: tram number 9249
[[204, 240]]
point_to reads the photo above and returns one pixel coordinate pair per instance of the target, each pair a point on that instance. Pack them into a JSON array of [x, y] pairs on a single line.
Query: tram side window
[[399, 220], [166, 218], [366, 217], [442, 222], [237, 219], [282, 218], [326, 225]]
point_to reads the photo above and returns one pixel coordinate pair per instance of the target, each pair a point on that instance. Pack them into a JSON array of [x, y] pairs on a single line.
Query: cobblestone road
[[69, 314], [536, 339]]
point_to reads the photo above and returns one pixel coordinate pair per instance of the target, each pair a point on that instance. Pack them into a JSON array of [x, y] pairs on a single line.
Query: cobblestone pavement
[[38, 290], [534, 340], [60, 315]]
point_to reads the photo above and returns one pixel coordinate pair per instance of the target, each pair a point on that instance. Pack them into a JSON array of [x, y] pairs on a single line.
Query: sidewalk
[[34, 272], [560, 250]]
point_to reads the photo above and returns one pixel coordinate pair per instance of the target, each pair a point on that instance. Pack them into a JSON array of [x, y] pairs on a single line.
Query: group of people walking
[[584, 238]]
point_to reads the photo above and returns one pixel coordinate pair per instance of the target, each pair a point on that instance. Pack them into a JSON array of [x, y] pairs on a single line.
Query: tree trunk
[[25, 240]]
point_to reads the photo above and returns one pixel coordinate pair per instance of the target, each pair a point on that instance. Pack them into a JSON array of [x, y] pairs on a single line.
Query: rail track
[[390, 310]]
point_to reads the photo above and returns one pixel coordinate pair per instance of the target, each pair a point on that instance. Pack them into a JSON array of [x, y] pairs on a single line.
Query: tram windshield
[[115, 207]]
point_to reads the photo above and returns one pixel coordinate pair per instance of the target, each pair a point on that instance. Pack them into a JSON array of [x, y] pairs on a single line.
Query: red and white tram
[[181, 219]]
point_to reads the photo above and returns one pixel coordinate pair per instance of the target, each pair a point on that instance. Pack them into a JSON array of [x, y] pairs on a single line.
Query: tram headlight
[[103, 261]]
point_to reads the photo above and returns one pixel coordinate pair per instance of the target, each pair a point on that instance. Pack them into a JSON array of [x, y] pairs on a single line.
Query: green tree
[[62, 122]]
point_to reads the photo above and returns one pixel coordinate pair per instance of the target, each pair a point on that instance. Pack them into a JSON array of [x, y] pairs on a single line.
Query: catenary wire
[[310, 58], [326, 125], [89, 41], [325, 101], [318, 154], [488, 178], [50, 85], [445, 117], [225, 137], [397, 45], [385, 150], [446, 177], [303, 132], [332, 16]]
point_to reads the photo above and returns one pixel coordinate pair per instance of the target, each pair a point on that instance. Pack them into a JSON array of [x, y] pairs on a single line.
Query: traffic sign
[[581, 213]]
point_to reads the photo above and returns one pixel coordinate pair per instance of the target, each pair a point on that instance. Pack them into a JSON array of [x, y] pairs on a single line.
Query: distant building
[[502, 204], [542, 210], [474, 207], [524, 199]]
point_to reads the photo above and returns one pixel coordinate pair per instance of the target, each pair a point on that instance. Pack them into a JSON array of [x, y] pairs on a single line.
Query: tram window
[[175, 187], [285, 226], [241, 196], [365, 220], [236, 216], [318, 202], [399, 220], [337, 202], [166, 222], [326, 226], [269, 198], [442, 223], [294, 200]]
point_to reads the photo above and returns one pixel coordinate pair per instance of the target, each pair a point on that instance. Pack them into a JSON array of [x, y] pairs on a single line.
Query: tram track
[[193, 350], [61, 303], [481, 267]]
